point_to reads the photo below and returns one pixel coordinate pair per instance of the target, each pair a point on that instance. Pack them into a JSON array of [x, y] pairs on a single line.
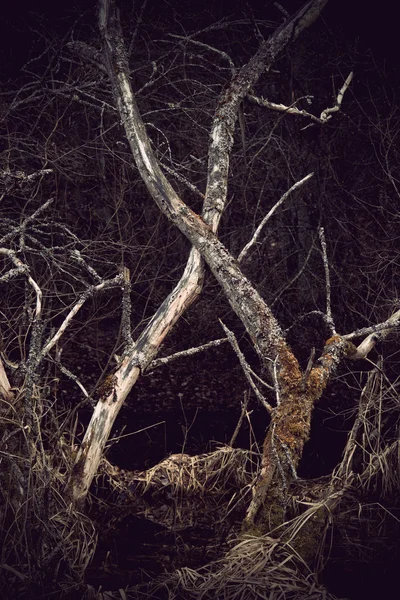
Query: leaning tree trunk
[[296, 392], [291, 418], [257, 317]]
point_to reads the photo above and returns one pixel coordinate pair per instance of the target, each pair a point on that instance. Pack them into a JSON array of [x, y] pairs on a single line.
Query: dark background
[[374, 26], [374, 23]]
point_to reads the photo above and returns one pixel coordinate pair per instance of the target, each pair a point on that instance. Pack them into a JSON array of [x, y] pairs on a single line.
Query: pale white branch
[[160, 362], [381, 328], [5, 388], [329, 319], [21, 269], [265, 220], [246, 368], [325, 115], [78, 305], [69, 374]]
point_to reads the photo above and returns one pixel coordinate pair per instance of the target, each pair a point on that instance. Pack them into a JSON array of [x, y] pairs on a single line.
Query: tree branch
[[257, 317], [267, 217]]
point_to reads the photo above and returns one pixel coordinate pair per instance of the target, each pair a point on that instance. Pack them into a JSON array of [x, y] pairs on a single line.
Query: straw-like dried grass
[[44, 540]]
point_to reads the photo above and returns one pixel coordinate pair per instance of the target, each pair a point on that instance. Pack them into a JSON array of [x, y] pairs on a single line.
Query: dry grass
[[211, 473], [336, 507], [255, 568], [42, 538]]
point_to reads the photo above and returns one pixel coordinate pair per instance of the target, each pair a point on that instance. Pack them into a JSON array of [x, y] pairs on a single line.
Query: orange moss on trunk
[[289, 429]]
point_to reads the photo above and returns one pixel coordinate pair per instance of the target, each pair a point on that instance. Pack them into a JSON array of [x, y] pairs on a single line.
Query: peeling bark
[[291, 420], [290, 429], [257, 317], [297, 392]]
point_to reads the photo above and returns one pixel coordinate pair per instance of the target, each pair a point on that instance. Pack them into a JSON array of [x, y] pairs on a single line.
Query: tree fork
[[291, 419]]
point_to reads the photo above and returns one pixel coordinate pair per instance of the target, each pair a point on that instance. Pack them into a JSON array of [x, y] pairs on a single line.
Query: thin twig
[[21, 268], [223, 54], [325, 115], [245, 367], [276, 383], [390, 323], [88, 293], [69, 373], [246, 398], [161, 362], [269, 215], [295, 278], [329, 318]]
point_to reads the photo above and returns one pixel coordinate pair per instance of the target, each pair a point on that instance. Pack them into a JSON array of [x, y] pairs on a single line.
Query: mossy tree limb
[[290, 429], [296, 392]]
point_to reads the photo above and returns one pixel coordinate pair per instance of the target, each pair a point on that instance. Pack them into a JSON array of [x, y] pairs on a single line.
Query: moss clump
[[307, 541]]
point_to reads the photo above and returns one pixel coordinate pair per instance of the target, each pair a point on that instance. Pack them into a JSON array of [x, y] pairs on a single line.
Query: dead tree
[[296, 391]]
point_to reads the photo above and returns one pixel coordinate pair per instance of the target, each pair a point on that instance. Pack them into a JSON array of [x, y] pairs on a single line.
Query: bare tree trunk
[[296, 392], [256, 316], [114, 390]]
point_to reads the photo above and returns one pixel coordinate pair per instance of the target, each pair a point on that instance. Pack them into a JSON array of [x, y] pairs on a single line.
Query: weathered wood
[[260, 323], [296, 392]]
